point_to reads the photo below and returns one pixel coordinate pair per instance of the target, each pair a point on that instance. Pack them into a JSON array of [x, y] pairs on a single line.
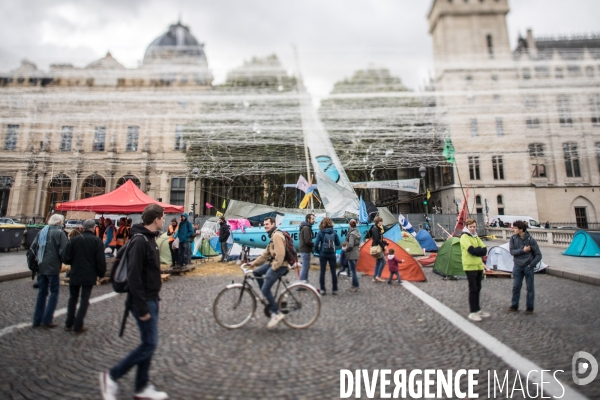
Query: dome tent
[[426, 241], [584, 244], [500, 258], [448, 262], [410, 270]]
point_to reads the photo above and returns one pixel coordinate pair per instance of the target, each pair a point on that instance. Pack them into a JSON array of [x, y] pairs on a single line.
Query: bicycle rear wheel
[[301, 306], [234, 307]]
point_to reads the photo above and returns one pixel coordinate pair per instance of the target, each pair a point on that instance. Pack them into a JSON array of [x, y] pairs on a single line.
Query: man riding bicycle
[[272, 266]]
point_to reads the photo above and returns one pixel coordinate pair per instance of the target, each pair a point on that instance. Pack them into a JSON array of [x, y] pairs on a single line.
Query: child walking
[[393, 262], [344, 261]]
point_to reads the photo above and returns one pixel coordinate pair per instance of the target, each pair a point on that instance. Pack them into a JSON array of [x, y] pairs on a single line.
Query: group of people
[[526, 253], [181, 235]]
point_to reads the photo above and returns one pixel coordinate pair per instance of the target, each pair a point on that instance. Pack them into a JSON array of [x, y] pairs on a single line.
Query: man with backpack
[[306, 245], [272, 265], [144, 283], [224, 233], [325, 245]]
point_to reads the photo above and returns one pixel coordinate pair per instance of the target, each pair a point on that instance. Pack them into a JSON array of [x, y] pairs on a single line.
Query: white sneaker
[[150, 393], [475, 317], [275, 318], [108, 387], [484, 314]]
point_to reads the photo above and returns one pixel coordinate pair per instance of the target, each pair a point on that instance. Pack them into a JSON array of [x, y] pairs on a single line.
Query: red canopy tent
[[126, 199]]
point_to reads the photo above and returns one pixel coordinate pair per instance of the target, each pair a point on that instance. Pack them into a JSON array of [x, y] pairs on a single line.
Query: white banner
[[405, 185]]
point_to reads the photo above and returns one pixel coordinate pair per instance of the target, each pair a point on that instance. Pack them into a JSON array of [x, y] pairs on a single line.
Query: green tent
[[448, 262], [163, 244], [410, 245]]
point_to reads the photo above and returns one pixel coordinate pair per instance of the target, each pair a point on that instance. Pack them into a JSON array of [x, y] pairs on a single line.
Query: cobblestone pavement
[[382, 326]]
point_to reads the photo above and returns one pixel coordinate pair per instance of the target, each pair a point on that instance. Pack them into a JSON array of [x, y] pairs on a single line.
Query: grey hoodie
[[353, 239], [531, 258]]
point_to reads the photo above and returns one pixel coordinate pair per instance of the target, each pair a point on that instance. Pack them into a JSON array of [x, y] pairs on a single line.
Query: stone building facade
[[525, 122]]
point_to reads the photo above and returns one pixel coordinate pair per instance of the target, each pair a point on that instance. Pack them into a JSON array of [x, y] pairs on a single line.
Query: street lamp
[[195, 175], [423, 172]]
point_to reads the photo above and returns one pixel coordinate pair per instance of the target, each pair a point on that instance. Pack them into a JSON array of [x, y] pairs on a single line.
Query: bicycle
[[235, 305]]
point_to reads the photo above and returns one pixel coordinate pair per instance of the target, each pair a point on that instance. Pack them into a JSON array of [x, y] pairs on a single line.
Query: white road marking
[[508, 355]]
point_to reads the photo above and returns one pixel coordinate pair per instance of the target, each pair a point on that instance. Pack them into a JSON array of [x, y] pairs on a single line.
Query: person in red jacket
[[393, 262]]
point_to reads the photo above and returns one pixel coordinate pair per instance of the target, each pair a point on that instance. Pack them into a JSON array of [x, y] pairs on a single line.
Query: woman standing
[[50, 245], [377, 235], [325, 244], [352, 251], [171, 234], [472, 250]]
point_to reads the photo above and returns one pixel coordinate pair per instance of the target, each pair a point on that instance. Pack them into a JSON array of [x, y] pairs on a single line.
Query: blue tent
[[426, 241], [393, 234], [584, 244]]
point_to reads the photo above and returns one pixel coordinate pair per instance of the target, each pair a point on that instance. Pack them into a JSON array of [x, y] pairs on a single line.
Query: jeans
[[224, 255], [266, 278], [184, 253], [76, 322], [305, 259], [44, 313], [474, 278], [174, 253], [392, 274], [352, 268], [518, 274], [332, 266], [379, 264], [141, 355]]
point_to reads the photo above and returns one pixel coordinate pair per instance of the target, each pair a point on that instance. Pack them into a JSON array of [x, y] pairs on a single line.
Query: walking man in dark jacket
[[224, 233], [144, 283], [527, 255], [85, 254], [306, 245]]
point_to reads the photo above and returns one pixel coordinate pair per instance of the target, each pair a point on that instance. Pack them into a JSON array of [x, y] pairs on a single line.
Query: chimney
[[531, 47]]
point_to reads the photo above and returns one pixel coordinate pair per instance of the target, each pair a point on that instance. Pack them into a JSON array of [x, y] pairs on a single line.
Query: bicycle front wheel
[[234, 307], [301, 306]]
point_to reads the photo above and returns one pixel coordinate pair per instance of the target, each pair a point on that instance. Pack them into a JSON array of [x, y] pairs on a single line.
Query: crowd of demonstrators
[[306, 245], [122, 233], [185, 233], [110, 235], [143, 301], [49, 245], [224, 232], [377, 236], [271, 265], [325, 244], [100, 228], [393, 262], [171, 233], [472, 251], [526, 253], [85, 254], [352, 252]]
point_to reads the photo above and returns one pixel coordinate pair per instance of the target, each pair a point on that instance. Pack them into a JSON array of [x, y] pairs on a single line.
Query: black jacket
[[306, 238], [377, 237], [224, 232], [85, 254], [56, 244], [143, 276], [529, 259]]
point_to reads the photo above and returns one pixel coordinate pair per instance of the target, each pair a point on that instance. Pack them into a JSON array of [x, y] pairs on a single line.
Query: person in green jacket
[[472, 250]]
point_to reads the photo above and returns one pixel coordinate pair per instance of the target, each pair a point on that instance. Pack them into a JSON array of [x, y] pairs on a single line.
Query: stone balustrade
[[548, 237]]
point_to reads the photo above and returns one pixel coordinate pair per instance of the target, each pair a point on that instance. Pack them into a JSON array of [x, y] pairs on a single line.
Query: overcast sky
[[333, 37]]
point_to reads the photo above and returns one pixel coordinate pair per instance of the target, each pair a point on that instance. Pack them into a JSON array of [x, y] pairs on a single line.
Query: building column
[[16, 206], [38, 194], [73, 195]]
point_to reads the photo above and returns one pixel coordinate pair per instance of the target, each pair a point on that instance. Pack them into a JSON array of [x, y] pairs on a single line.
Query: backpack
[[291, 256], [32, 262], [328, 246], [120, 268]]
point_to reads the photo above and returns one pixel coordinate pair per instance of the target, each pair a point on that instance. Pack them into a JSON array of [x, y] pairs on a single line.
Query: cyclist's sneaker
[[150, 392], [275, 318]]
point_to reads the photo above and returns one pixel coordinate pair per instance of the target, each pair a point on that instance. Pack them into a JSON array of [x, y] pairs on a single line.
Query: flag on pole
[[224, 206], [363, 216], [303, 184], [428, 194], [406, 225], [219, 214], [448, 151], [208, 205], [305, 200], [463, 215]]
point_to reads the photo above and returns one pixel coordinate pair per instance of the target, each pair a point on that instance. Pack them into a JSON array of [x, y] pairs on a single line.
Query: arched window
[[93, 185], [59, 191], [538, 163], [126, 178], [499, 198], [571, 160], [478, 199], [478, 204]]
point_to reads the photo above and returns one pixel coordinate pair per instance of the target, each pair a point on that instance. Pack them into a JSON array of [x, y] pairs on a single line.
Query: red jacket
[[393, 263]]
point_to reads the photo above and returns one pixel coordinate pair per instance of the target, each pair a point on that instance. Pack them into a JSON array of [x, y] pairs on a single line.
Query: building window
[[133, 134], [559, 73], [574, 71], [542, 72], [447, 175], [536, 154], [474, 168], [66, 138], [177, 191], [473, 126], [478, 204], [499, 127], [500, 205], [99, 138], [179, 142], [595, 109], [498, 167], [531, 102], [533, 122], [581, 217], [12, 133], [571, 160], [469, 79], [598, 154], [490, 45], [526, 73], [589, 71], [564, 111]]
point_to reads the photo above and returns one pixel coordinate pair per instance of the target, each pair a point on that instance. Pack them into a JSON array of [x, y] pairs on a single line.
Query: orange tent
[[410, 270]]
